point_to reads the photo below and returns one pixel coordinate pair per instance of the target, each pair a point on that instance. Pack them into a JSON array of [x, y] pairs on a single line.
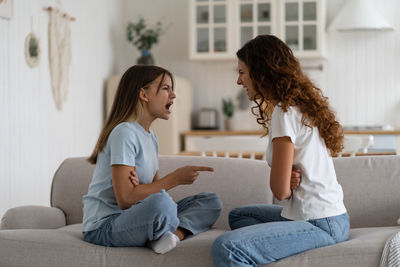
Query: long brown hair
[[126, 105], [276, 75]]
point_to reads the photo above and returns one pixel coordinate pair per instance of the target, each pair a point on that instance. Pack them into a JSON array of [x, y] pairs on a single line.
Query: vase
[[146, 58], [228, 124]]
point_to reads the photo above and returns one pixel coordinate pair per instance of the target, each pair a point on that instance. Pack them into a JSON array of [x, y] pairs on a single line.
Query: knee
[[234, 214], [162, 204], [213, 200], [220, 249]]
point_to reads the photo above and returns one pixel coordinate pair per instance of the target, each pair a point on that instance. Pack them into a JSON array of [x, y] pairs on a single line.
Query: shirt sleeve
[[283, 124], [123, 146]]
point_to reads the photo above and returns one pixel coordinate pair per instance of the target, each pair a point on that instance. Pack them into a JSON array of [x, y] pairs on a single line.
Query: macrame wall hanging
[[59, 54]]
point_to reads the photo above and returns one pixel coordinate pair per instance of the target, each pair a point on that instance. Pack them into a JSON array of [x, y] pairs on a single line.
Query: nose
[[239, 81], [173, 95]]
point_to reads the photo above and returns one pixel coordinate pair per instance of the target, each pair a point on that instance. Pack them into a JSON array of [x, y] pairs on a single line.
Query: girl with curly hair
[[303, 133]]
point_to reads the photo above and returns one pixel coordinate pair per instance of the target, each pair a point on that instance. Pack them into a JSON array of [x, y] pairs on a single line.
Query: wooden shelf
[[374, 132], [260, 155], [221, 133], [260, 132], [221, 154]]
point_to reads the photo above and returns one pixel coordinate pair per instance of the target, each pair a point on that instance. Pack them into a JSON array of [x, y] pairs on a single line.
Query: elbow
[[123, 203], [282, 195]]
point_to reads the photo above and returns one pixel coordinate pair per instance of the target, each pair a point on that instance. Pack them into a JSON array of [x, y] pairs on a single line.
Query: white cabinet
[[255, 17], [210, 31], [231, 143], [302, 26], [218, 28]]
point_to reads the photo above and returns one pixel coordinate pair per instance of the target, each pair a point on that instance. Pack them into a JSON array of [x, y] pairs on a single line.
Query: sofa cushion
[[65, 247], [364, 248]]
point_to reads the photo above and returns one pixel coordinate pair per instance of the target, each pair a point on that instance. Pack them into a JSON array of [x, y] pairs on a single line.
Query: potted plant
[[228, 109], [143, 38]]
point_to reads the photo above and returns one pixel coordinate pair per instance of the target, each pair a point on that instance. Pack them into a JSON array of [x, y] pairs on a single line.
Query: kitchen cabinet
[[255, 17], [218, 28], [249, 144], [210, 29], [302, 26]]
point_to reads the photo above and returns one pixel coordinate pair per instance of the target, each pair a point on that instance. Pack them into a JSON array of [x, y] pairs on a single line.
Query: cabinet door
[[209, 31], [254, 17], [233, 143], [302, 26]]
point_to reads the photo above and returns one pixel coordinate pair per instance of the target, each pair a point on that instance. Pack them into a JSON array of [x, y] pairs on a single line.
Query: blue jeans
[[261, 235], [150, 218]]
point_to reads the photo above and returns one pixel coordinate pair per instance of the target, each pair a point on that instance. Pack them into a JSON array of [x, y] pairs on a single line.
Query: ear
[[143, 95]]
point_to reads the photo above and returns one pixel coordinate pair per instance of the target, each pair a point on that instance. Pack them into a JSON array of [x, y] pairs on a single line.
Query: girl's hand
[[134, 177], [189, 174], [295, 178]]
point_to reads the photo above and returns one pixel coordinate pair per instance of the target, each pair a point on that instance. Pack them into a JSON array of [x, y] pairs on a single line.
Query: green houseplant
[[143, 38], [228, 109]]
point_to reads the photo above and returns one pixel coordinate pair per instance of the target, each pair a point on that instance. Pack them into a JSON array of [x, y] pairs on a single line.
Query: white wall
[[34, 136], [360, 76], [360, 73]]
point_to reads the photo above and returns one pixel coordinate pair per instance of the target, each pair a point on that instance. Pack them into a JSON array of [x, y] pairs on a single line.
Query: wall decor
[[32, 50], [6, 7], [59, 54]]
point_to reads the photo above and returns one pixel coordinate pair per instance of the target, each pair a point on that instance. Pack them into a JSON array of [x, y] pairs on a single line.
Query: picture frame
[[32, 50], [6, 8]]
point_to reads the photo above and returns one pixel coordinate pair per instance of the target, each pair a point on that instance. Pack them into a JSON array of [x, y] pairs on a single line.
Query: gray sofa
[[44, 236]]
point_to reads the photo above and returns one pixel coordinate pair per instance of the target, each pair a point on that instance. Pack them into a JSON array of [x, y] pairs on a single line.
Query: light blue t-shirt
[[128, 144]]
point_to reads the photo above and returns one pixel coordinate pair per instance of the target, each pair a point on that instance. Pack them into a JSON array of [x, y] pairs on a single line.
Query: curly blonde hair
[[276, 76]]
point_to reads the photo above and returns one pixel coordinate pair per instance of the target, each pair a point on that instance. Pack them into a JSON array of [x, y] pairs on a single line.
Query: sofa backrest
[[70, 183], [236, 181], [371, 187]]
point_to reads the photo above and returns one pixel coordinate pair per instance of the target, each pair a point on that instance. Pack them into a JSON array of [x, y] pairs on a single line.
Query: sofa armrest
[[33, 217]]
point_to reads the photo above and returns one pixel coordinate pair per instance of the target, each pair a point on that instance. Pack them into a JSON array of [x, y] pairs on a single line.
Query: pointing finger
[[202, 168]]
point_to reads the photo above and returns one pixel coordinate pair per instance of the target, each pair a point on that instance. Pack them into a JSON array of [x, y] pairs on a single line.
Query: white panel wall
[[361, 77], [35, 137], [361, 71]]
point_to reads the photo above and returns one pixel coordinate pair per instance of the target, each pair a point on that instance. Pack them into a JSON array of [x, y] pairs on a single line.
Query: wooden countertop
[[260, 132], [260, 155]]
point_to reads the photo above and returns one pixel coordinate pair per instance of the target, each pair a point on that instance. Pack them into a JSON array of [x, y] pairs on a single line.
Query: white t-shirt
[[319, 194]]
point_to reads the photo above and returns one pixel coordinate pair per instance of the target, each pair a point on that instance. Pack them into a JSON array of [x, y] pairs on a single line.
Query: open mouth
[[168, 106]]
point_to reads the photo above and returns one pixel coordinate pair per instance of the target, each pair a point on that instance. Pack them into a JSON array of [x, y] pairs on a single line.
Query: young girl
[[122, 212], [304, 133]]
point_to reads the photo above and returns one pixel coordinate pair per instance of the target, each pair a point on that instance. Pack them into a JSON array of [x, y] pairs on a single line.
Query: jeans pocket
[[339, 227]]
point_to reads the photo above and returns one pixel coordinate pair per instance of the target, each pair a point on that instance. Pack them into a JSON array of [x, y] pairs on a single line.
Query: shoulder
[[279, 112], [124, 130]]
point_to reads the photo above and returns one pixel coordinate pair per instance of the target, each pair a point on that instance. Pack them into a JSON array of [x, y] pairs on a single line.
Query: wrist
[[172, 180]]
